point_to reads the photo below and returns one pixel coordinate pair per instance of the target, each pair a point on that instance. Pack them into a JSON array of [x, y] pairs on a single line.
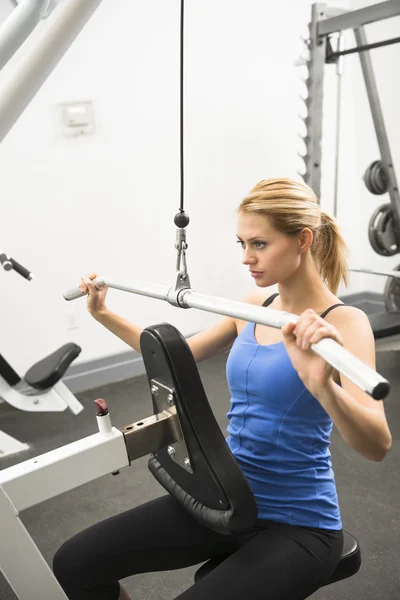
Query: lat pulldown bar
[[337, 356]]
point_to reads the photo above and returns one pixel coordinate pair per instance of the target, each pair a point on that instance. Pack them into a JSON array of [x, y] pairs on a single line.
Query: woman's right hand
[[96, 298]]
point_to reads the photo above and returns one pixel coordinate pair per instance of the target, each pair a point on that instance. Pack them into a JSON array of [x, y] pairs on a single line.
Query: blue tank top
[[279, 434]]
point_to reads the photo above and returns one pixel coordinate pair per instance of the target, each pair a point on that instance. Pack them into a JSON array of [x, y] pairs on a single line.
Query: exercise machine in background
[[41, 388], [327, 23]]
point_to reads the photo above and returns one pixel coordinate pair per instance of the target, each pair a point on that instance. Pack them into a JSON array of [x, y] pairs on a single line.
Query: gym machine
[[380, 177], [189, 455], [41, 388]]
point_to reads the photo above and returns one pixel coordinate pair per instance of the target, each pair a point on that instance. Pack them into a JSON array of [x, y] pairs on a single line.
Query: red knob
[[102, 408]]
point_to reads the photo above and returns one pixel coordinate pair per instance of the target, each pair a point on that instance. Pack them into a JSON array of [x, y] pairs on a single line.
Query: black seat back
[[212, 488]]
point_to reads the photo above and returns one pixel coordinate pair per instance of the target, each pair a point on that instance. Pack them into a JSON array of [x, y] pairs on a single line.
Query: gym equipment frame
[[385, 236], [190, 459], [325, 21], [15, 30], [41, 388]]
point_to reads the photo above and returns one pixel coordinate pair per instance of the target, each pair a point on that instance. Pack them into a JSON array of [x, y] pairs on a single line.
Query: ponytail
[[330, 252]]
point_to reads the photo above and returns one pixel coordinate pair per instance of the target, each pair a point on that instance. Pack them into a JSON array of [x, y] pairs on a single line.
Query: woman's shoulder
[[350, 317]]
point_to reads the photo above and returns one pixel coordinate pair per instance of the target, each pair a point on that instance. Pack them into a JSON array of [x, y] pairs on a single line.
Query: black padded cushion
[[385, 324], [217, 493], [8, 373], [349, 563], [47, 372]]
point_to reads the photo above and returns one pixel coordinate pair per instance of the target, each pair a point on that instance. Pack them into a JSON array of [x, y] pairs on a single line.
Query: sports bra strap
[[328, 310], [269, 300]]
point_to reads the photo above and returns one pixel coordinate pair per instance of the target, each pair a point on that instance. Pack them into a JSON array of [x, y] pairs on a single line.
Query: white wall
[[107, 202]]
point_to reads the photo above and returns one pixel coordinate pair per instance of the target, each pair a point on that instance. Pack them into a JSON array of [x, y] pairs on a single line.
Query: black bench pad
[[47, 372], [385, 324]]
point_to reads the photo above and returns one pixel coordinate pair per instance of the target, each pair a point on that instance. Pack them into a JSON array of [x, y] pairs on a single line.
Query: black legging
[[273, 561]]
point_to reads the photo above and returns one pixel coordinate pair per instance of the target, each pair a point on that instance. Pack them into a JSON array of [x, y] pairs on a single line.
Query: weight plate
[[374, 229], [375, 178], [391, 293], [385, 231]]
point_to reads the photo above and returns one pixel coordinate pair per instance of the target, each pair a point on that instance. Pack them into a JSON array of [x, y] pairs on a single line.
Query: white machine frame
[[48, 475], [37, 480], [56, 399]]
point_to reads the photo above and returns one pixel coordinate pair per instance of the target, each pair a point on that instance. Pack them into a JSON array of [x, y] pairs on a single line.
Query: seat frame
[[50, 394]]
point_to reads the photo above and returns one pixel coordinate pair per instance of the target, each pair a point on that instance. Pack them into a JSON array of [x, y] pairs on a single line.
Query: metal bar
[[339, 77], [346, 363], [152, 290], [395, 274], [314, 102], [21, 562], [32, 71], [333, 55], [357, 18], [19, 26], [380, 129]]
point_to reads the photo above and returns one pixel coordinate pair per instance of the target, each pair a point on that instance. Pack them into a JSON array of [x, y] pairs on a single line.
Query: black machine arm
[[10, 264]]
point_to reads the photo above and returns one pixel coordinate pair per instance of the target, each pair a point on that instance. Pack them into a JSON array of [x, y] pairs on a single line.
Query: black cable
[[181, 219], [181, 103], [333, 55]]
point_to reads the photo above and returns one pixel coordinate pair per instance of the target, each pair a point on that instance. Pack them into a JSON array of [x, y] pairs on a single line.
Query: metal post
[[380, 129], [314, 102], [339, 77], [19, 554], [357, 18], [33, 70], [19, 25]]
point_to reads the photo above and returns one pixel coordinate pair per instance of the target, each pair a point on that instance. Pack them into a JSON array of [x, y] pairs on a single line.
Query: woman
[[285, 399]]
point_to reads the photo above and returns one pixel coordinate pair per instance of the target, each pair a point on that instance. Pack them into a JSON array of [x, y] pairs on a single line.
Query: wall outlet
[[71, 319]]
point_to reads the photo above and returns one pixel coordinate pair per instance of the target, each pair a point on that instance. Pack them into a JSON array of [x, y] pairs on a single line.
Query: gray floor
[[369, 492]]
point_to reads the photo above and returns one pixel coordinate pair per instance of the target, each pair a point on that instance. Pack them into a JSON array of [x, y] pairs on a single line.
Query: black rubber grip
[[21, 270], [5, 262]]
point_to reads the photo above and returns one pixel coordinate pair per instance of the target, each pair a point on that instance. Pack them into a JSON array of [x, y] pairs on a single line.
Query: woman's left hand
[[310, 328]]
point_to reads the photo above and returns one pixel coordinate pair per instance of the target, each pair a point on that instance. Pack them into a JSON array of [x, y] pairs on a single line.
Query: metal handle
[[9, 264], [341, 359]]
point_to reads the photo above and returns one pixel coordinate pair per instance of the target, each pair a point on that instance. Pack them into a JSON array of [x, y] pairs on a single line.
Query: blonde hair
[[292, 206]]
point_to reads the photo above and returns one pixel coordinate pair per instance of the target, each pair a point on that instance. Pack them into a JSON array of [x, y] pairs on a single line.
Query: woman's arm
[[212, 341], [359, 418]]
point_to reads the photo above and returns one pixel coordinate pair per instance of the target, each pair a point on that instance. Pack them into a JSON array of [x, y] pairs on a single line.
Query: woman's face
[[271, 256]]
